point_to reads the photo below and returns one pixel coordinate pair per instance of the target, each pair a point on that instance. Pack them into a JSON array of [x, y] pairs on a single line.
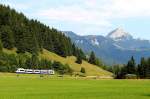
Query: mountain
[[115, 48], [119, 34], [126, 41]]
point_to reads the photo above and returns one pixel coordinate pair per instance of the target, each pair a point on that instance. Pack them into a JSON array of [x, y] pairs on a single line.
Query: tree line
[[92, 59], [141, 70]]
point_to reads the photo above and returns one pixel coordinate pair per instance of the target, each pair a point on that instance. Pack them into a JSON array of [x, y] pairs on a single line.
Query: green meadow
[[35, 87]]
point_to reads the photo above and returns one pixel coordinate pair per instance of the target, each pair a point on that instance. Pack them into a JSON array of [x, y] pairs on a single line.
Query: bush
[[79, 60], [82, 70], [61, 69]]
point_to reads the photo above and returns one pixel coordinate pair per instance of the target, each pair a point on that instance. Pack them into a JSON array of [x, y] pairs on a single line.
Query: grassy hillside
[[91, 70]]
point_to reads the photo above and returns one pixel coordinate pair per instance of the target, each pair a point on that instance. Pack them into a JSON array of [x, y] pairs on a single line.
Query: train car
[[29, 71], [47, 72], [20, 70], [44, 72], [36, 71]]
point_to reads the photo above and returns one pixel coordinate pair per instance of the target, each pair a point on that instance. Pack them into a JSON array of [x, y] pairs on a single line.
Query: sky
[[89, 17]]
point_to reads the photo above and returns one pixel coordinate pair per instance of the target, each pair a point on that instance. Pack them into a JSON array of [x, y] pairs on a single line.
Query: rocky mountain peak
[[119, 34]]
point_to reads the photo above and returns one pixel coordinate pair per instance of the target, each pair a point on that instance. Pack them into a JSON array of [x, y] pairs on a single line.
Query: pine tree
[[82, 54], [34, 61], [74, 50], [45, 64], [98, 62], [131, 66], [79, 58], [7, 37], [147, 70], [20, 40], [143, 68], [92, 58], [139, 71]]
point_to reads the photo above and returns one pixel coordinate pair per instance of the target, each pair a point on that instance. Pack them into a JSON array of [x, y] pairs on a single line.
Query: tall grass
[[61, 88]]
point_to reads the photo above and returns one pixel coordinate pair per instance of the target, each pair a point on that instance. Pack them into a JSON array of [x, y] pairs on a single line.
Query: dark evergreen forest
[[17, 31]]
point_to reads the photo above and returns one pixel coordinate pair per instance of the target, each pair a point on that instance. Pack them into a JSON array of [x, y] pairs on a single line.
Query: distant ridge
[[115, 48]]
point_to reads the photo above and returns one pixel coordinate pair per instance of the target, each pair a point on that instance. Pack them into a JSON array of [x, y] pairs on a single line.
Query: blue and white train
[[34, 71]]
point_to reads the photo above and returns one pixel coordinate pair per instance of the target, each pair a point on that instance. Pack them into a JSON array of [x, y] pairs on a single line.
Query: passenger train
[[34, 71]]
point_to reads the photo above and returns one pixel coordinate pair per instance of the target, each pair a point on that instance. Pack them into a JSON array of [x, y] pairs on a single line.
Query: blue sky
[[89, 17]]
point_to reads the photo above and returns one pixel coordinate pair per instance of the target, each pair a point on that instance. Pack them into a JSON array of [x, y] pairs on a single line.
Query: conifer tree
[[131, 66], [34, 61], [79, 60], [92, 58], [74, 50], [7, 37], [98, 62], [148, 68], [20, 40], [143, 67]]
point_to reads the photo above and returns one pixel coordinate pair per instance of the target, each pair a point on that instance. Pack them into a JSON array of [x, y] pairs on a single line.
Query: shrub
[[82, 70]]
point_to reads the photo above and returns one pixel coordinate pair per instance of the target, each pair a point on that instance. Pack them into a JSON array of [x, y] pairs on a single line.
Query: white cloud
[[98, 12], [128, 8], [74, 14]]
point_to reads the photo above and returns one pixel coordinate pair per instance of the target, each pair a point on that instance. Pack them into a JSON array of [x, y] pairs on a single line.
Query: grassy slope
[[47, 88], [91, 70]]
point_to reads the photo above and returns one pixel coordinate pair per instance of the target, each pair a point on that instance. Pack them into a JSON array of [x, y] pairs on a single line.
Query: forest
[[132, 69]]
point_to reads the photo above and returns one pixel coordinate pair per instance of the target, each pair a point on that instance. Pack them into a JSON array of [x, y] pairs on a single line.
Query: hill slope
[[91, 70]]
